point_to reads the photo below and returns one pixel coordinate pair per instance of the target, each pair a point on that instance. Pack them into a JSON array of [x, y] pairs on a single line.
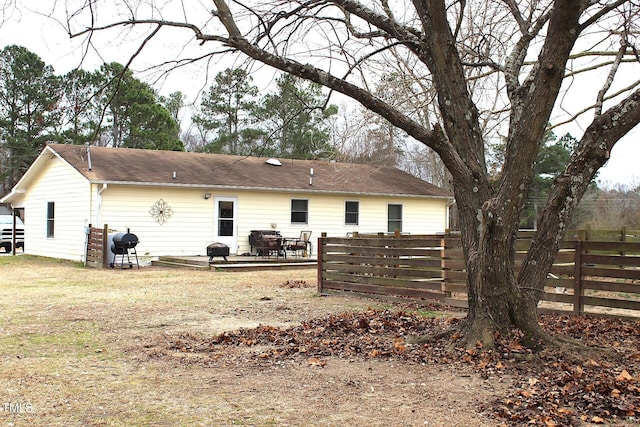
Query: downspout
[[87, 232], [447, 219], [99, 208], [87, 229]]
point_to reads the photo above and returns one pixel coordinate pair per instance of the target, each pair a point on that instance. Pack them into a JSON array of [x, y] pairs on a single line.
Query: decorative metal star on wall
[[161, 211]]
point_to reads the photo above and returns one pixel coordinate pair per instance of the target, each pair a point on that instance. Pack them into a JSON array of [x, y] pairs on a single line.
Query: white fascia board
[[265, 189]]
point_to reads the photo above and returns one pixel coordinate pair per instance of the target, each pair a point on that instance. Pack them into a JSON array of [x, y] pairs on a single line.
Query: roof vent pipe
[[311, 176], [89, 155]]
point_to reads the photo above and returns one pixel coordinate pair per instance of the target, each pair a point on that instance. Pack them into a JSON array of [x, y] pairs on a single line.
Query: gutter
[[101, 190], [269, 189]]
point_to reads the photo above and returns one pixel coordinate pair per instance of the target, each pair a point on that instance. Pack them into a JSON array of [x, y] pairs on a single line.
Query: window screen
[[351, 212], [299, 211], [51, 211], [394, 218]]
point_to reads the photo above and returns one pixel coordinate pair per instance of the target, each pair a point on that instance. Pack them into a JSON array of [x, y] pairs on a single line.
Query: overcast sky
[[48, 40]]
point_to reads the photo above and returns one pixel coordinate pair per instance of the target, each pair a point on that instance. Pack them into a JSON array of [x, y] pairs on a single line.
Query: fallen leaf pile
[[555, 387], [296, 283]]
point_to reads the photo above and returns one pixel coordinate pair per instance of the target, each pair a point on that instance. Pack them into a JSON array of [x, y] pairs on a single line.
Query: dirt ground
[[161, 347], [84, 347]]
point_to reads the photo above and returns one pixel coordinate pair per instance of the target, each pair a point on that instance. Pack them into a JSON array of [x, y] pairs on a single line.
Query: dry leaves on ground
[[552, 388]]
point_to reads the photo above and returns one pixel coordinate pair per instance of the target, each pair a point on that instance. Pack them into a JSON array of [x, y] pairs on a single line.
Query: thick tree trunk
[[498, 303]]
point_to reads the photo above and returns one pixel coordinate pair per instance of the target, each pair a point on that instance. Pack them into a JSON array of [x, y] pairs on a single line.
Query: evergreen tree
[[174, 103], [228, 111], [29, 93], [152, 127], [553, 158], [135, 119], [295, 117], [80, 109]]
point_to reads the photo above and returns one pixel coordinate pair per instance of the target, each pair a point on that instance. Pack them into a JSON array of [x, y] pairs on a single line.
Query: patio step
[[175, 263], [258, 266], [234, 263]]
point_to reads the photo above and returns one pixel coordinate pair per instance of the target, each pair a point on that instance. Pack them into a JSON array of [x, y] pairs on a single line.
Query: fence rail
[[588, 276]]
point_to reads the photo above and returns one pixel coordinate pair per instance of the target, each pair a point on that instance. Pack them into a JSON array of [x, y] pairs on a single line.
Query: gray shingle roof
[[151, 167]]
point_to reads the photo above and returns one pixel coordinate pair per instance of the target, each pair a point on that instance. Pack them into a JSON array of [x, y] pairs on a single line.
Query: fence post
[[623, 238], [320, 250], [105, 244], [443, 269], [577, 279]]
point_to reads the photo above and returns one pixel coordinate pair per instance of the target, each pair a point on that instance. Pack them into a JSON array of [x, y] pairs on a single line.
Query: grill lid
[[125, 240]]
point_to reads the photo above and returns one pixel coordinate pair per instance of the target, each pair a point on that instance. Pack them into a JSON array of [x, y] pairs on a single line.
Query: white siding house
[[177, 203]]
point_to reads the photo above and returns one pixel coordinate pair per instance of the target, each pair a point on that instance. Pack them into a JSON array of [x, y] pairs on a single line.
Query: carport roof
[[172, 168]]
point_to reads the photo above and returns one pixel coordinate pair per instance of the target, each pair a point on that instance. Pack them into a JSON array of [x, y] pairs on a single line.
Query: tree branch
[[591, 107], [602, 12], [515, 12], [397, 118], [612, 73], [158, 22], [567, 191]]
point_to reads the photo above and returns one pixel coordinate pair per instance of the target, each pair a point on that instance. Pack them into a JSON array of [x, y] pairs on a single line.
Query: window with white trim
[[51, 215], [299, 211], [394, 218], [351, 212]]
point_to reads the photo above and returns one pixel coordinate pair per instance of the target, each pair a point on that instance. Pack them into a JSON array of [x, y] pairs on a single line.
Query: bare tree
[[613, 208], [494, 68], [366, 138]]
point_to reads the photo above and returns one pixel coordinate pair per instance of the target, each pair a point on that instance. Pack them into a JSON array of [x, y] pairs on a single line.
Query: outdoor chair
[[302, 244]]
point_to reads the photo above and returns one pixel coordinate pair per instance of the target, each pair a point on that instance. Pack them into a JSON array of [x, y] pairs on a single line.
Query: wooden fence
[[588, 276], [96, 251]]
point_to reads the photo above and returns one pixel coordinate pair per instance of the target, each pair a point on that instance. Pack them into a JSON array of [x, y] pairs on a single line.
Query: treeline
[[110, 107], [612, 208], [106, 107]]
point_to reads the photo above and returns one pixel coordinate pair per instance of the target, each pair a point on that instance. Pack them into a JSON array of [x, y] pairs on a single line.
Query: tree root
[[429, 338], [571, 349], [538, 344]]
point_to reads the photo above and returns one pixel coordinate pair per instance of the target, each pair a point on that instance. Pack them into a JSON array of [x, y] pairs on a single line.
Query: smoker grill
[[256, 237], [124, 244]]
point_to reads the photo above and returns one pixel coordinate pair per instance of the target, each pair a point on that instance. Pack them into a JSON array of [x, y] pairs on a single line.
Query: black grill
[[124, 244], [123, 241]]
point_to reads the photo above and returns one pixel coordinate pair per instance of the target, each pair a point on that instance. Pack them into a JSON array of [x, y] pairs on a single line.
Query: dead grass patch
[[76, 345]]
